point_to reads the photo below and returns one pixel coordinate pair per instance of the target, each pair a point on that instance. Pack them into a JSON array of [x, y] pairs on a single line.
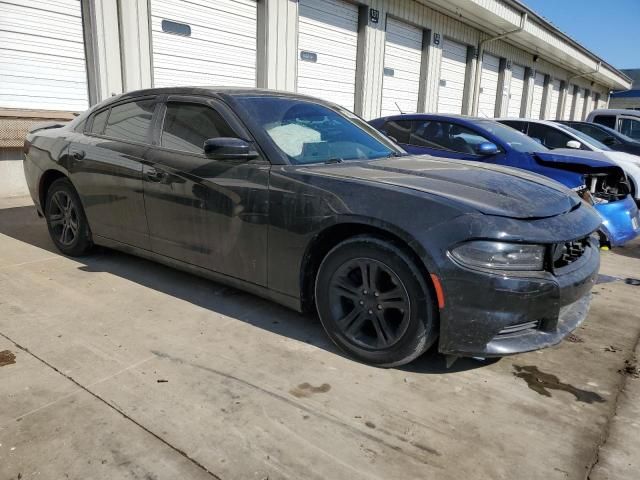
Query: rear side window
[[630, 128], [99, 121], [130, 121], [448, 136], [606, 120], [187, 126], [398, 129], [593, 131]]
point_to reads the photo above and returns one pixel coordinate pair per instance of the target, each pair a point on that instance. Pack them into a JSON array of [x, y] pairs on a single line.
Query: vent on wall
[[176, 28]]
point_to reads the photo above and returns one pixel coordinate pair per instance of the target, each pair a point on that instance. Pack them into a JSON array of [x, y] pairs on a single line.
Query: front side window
[[308, 132], [99, 121], [512, 137], [520, 126], [597, 133], [447, 136], [548, 136], [606, 120], [188, 125], [398, 130], [130, 121], [630, 128]]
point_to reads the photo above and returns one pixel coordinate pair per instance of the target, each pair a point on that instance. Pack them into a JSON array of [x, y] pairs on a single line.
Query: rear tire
[[374, 302], [66, 221]]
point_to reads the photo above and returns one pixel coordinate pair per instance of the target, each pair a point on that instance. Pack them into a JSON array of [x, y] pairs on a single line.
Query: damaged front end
[[608, 191]]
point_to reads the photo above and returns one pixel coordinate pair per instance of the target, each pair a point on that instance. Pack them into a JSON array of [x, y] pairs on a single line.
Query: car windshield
[[512, 137], [586, 138], [308, 132]]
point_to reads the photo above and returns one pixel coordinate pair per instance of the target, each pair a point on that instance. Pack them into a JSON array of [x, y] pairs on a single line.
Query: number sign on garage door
[[516, 89], [554, 99], [198, 42], [402, 57], [327, 50], [488, 86], [452, 76], [538, 92], [42, 63]]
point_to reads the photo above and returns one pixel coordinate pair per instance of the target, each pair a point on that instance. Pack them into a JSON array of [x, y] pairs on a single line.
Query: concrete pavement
[[127, 369]]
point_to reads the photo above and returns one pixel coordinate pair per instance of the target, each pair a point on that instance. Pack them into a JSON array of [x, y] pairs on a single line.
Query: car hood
[[490, 189], [575, 157]]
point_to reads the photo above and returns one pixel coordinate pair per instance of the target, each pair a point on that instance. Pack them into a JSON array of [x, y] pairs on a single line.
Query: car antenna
[[399, 109]]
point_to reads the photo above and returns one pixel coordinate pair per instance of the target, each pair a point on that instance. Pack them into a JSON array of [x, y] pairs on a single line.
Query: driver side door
[[205, 212]]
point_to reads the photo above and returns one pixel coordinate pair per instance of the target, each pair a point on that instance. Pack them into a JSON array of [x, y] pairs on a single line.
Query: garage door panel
[[221, 49], [538, 93], [516, 90], [42, 60], [329, 29], [568, 104], [555, 99], [402, 59], [579, 104], [488, 85]]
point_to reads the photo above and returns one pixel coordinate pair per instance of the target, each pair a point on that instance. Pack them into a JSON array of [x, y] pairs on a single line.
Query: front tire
[[374, 302], [66, 221]]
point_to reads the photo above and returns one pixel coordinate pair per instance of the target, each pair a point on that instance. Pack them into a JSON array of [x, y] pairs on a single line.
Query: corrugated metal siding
[[328, 29], [402, 58], [538, 93], [42, 61], [488, 86], [452, 77], [221, 49], [516, 91]]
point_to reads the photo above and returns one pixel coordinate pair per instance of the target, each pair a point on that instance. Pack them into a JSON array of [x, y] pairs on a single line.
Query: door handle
[[154, 175], [77, 154]]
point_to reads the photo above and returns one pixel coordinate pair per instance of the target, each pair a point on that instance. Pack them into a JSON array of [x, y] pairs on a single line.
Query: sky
[[609, 28]]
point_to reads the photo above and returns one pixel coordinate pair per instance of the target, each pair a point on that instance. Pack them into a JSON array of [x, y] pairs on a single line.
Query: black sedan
[[302, 202], [605, 135]]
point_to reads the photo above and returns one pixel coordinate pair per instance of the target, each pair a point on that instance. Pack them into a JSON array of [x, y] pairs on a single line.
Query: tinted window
[[399, 130], [592, 130], [130, 121], [447, 136], [99, 121], [606, 120], [548, 136], [187, 126], [308, 132], [520, 126], [630, 128], [512, 137]]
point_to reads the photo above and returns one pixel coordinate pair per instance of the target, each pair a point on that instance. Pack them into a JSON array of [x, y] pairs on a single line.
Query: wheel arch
[[46, 179], [332, 235]]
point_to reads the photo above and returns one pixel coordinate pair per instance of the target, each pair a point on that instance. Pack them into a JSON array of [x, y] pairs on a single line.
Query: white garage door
[[42, 63], [327, 50], [516, 89], [554, 99], [452, 73], [402, 57], [198, 42], [488, 86], [568, 103], [538, 92], [579, 101]]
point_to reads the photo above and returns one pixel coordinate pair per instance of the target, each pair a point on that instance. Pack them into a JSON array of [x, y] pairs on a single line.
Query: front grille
[[520, 327], [566, 253]]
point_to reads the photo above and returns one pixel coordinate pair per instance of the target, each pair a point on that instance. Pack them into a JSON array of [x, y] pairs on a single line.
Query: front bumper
[[620, 220], [489, 314]]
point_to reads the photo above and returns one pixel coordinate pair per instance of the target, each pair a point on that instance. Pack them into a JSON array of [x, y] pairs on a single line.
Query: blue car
[[595, 179]]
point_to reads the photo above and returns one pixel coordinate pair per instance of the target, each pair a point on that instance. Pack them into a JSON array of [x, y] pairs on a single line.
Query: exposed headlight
[[500, 255]]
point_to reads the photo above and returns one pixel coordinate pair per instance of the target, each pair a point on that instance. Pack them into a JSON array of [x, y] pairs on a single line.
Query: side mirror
[[228, 148], [576, 145], [487, 148]]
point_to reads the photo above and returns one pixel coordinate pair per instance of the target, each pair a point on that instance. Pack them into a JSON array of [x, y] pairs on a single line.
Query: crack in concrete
[[612, 413], [113, 407]]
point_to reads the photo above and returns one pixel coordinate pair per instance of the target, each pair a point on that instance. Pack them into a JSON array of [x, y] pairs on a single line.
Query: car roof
[[615, 111], [433, 116]]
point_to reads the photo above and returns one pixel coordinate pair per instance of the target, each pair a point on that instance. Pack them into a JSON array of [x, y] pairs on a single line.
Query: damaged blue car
[[595, 179]]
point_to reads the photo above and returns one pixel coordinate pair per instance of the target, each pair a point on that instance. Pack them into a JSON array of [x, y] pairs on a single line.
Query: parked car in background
[[594, 178], [567, 140], [624, 121], [605, 135], [300, 201]]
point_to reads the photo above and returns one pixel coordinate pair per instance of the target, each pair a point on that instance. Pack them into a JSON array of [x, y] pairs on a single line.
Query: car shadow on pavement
[[631, 250], [22, 224]]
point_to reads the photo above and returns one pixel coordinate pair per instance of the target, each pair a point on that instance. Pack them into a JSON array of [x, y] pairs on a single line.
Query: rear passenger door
[[106, 169], [205, 212]]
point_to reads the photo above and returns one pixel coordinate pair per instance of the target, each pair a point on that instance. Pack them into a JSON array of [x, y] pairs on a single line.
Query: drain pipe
[[478, 72], [572, 77]]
